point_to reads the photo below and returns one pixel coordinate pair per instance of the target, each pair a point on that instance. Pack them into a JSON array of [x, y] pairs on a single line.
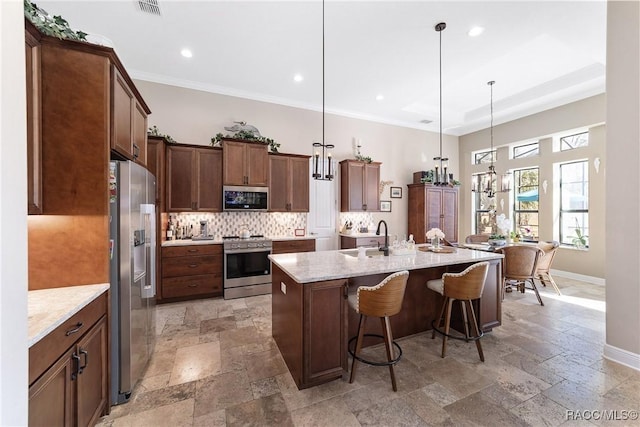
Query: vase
[[435, 242]]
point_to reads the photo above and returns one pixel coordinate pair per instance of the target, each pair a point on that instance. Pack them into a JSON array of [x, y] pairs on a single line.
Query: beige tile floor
[[216, 364]]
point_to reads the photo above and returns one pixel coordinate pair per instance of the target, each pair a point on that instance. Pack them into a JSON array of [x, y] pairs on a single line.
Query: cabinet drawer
[[188, 250], [292, 246], [46, 351], [191, 265], [192, 285]]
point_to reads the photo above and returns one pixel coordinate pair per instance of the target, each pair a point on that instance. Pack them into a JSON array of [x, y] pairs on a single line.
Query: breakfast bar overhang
[[311, 319]]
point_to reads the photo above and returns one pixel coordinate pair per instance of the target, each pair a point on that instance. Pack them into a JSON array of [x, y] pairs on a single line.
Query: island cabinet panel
[[245, 163], [359, 187], [433, 207], [293, 246], [288, 183]]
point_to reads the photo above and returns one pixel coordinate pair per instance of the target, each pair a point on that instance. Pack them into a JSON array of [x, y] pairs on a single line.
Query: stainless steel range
[[247, 268]]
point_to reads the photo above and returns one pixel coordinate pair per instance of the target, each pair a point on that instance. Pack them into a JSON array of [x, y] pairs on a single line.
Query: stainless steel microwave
[[238, 198]]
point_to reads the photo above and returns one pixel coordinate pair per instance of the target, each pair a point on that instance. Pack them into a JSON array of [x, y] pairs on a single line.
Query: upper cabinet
[[34, 136], [129, 121], [288, 183], [359, 186], [433, 207], [156, 165], [245, 163], [194, 179]]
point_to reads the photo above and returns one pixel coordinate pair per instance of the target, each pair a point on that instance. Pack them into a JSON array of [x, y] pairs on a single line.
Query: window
[[574, 203], [484, 157], [525, 209], [574, 141], [482, 206], [527, 150]]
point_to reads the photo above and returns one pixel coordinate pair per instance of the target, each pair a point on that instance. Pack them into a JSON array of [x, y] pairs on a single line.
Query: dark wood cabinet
[[129, 121], [68, 370], [34, 134], [156, 165], [193, 179], [348, 242], [293, 246], [288, 183], [359, 186], [245, 163], [433, 207], [191, 271]]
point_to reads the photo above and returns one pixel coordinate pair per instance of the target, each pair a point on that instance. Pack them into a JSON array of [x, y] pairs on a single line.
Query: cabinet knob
[[192, 285], [193, 265]]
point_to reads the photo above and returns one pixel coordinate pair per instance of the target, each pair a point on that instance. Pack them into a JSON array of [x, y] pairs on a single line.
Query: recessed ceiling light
[[475, 31], [379, 97], [298, 78], [186, 53]]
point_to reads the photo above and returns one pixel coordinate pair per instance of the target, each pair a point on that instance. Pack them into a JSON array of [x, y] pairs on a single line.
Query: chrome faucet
[[385, 248]]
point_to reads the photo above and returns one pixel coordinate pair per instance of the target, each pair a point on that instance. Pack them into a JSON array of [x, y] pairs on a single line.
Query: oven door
[[247, 267]]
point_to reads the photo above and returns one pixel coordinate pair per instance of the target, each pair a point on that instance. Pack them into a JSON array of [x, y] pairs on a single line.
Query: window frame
[[562, 211], [516, 186], [537, 148], [562, 138]]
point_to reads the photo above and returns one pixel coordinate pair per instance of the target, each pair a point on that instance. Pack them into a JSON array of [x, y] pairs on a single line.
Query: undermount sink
[[369, 253]]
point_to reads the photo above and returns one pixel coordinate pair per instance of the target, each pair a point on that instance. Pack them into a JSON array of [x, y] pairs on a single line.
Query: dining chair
[[477, 238], [544, 264], [519, 266]]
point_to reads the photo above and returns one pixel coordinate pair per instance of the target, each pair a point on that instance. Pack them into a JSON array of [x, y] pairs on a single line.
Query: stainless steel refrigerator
[[132, 231]]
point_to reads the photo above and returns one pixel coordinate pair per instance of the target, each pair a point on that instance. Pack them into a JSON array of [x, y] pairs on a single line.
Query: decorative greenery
[[216, 141], [456, 183], [514, 235], [497, 237], [55, 26], [580, 240], [362, 158], [154, 131]]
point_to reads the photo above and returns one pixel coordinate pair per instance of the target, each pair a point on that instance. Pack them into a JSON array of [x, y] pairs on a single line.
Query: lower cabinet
[[191, 271], [347, 242], [293, 246], [73, 391]]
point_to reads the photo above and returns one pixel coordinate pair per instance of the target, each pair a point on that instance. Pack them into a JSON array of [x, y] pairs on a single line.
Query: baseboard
[[575, 276], [624, 357]]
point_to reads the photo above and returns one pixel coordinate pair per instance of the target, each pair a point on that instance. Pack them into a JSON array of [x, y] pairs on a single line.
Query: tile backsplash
[[358, 219], [230, 223]]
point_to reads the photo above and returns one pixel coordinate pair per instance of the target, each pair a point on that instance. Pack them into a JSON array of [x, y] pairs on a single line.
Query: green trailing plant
[[216, 141], [497, 237], [154, 131], [55, 26], [362, 158]]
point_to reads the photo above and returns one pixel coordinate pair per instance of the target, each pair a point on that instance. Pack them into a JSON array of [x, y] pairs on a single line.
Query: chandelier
[[319, 171], [490, 182], [440, 176]]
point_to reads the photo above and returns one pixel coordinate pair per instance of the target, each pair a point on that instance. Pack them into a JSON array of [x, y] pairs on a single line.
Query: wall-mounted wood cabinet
[[34, 134], [129, 121], [359, 186], [245, 163], [433, 207], [288, 183], [194, 179]]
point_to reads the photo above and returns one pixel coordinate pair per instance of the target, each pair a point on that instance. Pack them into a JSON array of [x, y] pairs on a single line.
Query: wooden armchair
[[477, 238], [519, 267], [544, 263]]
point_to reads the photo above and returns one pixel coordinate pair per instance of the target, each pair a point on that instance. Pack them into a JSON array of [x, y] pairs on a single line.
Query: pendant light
[[319, 165], [489, 182], [440, 176]]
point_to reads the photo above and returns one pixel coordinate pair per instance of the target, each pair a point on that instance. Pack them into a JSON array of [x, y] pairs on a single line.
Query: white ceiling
[[541, 53]]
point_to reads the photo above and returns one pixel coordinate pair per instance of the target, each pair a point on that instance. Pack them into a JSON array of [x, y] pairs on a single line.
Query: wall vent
[[149, 6], [426, 121]]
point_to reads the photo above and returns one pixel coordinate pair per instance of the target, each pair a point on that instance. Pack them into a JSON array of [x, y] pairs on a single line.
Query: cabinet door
[[180, 178], [139, 136], [92, 393], [279, 181], [434, 208], [34, 133], [234, 163], [371, 188], [299, 184], [352, 184], [449, 224], [257, 164], [51, 397], [155, 165], [121, 116], [209, 182]]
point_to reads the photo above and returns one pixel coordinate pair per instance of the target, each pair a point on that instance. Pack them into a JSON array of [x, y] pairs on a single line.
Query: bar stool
[[464, 287], [382, 300]]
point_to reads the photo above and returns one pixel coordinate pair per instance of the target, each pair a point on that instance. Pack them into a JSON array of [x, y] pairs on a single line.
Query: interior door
[[322, 211]]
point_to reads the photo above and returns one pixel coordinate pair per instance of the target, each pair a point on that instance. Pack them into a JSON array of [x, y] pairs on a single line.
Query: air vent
[[149, 6], [426, 121]]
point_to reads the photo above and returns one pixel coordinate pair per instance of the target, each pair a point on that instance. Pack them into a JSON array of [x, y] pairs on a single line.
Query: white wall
[[192, 116], [623, 182], [13, 218]]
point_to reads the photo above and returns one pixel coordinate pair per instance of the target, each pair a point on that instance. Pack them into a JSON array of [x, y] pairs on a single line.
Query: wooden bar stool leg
[[440, 318], [358, 346], [465, 320], [476, 330], [386, 331], [447, 323]]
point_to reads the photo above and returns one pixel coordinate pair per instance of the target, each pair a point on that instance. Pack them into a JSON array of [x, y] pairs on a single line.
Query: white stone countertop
[[310, 267], [49, 308], [217, 240]]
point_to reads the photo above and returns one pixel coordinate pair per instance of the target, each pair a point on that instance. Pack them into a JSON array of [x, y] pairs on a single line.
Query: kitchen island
[[311, 319]]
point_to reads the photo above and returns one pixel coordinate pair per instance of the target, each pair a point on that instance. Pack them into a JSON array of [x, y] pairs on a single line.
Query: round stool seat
[[436, 285]]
